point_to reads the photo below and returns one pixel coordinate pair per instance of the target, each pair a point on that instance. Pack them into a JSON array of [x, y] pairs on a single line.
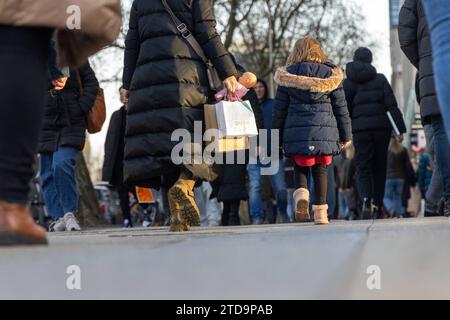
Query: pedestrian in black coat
[[114, 154], [369, 97], [415, 42], [167, 82], [233, 178], [62, 137], [167, 85]]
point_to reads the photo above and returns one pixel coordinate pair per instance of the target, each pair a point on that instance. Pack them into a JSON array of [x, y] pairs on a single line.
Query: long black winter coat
[[65, 113], [415, 42], [114, 148], [369, 96], [310, 110], [167, 81]]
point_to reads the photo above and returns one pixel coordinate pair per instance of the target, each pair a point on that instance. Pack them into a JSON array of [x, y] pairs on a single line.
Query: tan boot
[[320, 214], [301, 200], [17, 226], [183, 209]]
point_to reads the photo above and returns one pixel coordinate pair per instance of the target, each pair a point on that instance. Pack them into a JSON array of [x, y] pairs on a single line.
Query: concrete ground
[[408, 258]]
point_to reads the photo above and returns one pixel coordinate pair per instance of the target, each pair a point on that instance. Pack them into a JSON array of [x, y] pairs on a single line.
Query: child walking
[[311, 113]]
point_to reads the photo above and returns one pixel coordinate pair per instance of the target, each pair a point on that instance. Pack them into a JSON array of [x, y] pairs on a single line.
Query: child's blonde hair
[[306, 49]]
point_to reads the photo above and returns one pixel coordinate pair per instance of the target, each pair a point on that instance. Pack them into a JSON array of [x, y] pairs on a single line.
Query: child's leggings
[[319, 174]]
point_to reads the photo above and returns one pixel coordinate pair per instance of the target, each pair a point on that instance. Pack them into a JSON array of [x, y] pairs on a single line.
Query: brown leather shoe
[[17, 226]]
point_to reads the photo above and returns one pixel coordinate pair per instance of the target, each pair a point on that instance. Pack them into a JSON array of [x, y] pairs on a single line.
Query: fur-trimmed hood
[[313, 84]]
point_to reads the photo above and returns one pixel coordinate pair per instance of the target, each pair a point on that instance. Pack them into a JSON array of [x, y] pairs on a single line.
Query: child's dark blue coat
[[310, 109]]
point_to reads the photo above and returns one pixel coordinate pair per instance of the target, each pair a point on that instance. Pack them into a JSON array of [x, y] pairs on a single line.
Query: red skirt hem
[[309, 161]]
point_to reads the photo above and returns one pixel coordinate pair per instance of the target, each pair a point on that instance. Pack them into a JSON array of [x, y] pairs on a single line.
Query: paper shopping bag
[[236, 119], [223, 144]]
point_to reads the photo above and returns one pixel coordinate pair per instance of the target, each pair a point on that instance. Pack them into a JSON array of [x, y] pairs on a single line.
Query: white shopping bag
[[236, 119]]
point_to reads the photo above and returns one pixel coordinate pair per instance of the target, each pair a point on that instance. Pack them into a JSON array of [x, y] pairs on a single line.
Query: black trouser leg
[[124, 201], [364, 160], [233, 219], [381, 139], [301, 177], [319, 173], [23, 80], [225, 213]]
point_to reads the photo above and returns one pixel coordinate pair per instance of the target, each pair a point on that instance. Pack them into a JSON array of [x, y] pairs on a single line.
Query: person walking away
[[318, 126], [114, 154], [395, 178], [415, 42], [277, 181], [63, 136], [232, 181], [369, 96], [167, 87], [24, 50]]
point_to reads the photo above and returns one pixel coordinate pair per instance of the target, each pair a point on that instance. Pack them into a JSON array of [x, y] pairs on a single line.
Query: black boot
[[367, 209], [377, 212], [447, 208]]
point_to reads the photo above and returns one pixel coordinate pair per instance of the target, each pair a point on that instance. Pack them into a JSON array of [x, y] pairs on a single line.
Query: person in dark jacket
[[396, 176], [167, 85], [415, 42], [256, 179], [311, 113], [114, 154], [369, 97], [232, 181], [63, 135]]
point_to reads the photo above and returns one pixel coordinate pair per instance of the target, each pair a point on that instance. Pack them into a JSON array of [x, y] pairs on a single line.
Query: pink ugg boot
[[320, 214], [301, 200]]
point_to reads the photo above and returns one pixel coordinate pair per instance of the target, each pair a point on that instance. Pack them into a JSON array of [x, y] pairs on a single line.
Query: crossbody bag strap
[[186, 34]]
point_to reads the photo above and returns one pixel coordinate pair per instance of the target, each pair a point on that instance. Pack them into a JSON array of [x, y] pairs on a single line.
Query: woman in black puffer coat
[[167, 82], [63, 135], [369, 96], [311, 113], [167, 86]]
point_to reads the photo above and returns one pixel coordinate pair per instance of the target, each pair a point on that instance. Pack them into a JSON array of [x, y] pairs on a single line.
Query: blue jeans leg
[[51, 197], [278, 183], [393, 197], [438, 17], [442, 153], [64, 160], [255, 190], [343, 205], [398, 197]]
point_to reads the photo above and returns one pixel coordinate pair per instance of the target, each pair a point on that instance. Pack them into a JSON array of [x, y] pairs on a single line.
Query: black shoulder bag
[[215, 84]]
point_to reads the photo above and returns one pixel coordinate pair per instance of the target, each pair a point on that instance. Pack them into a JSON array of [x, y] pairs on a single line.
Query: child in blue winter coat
[[311, 113]]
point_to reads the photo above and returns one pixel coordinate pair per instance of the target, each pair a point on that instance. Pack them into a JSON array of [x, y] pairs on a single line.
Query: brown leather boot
[[17, 226], [320, 214], [183, 209], [301, 200]]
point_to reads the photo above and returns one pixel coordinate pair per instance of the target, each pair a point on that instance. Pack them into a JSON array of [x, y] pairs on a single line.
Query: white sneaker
[[71, 222], [57, 225]]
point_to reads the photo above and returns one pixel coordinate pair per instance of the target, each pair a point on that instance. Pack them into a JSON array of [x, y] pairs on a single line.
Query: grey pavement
[[293, 261]]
